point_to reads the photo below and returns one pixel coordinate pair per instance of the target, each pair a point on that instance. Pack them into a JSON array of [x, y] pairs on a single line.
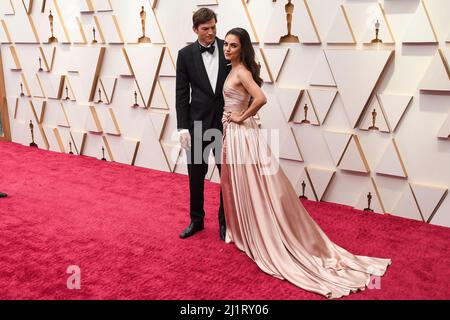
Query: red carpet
[[120, 224]]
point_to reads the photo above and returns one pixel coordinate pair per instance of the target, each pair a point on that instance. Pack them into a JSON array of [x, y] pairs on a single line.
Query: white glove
[[185, 140]]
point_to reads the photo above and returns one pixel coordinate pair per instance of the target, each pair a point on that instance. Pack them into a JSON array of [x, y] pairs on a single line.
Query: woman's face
[[232, 47]]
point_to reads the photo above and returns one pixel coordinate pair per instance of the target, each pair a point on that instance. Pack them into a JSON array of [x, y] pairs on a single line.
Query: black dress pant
[[197, 169]]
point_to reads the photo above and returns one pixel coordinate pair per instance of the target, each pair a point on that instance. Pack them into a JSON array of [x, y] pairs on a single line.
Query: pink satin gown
[[267, 221]]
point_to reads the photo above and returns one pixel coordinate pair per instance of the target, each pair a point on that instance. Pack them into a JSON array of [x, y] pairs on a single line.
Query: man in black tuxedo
[[201, 73]]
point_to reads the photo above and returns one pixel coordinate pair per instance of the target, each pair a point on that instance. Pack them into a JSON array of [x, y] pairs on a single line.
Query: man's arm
[[182, 94], [182, 103]]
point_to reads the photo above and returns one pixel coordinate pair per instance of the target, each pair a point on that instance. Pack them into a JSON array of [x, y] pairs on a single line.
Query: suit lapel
[[200, 66], [222, 74]]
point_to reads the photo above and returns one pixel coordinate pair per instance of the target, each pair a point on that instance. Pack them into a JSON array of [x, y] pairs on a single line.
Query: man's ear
[[195, 30]]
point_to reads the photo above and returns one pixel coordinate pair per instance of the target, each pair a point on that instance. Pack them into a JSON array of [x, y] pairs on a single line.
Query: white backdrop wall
[[334, 69]]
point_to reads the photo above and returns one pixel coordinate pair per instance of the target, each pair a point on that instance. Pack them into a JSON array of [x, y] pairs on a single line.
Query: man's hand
[[185, 140]]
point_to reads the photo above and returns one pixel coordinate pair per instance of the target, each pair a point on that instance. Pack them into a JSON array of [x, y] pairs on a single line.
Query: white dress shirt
[[211, 62]]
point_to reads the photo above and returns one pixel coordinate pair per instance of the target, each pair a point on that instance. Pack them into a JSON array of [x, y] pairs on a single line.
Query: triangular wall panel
[[357, 69]]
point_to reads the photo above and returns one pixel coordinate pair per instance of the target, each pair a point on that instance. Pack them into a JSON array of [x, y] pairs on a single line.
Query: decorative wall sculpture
[[97, 77]]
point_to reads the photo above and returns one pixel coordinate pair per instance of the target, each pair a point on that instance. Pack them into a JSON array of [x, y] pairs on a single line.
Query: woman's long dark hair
[[247, 53]]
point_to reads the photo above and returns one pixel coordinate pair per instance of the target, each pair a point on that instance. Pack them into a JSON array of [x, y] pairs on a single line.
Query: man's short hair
[[203, 15]]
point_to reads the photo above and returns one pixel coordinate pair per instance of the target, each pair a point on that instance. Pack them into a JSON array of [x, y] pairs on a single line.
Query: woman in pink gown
[[264, 215]]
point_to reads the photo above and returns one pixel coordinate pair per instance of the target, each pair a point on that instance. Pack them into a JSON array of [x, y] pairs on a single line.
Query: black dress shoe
[[191, 229], [3, 195], [223, 231]]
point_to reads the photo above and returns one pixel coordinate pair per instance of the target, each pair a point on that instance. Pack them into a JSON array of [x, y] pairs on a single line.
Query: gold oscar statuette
[[377, 30], [40, 65], [143, 39], [52, 39], [369, 199], [100, 96], [374, 118], [103, 153], [303, 190], [289, 8], [94, 41], [135, 105], [67, 94], [32, 144], [306, 115]]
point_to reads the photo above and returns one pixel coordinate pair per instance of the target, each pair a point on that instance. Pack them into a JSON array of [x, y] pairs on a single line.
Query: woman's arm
[[259, 98]]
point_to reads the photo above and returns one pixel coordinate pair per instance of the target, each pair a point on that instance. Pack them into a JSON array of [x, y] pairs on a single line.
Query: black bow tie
[[210, 49]]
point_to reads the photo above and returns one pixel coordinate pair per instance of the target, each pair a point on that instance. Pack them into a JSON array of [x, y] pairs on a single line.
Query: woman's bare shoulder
[[243, 72]]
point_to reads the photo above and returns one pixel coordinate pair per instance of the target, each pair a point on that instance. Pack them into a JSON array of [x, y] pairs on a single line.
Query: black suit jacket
[[195, 99]]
